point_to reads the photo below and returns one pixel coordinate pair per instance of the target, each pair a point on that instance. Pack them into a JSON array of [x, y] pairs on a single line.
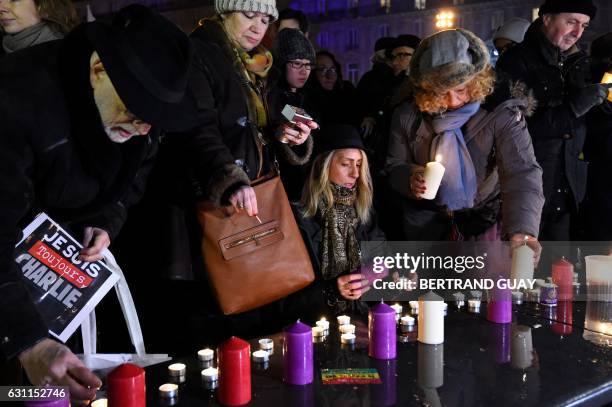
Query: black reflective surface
[[534, 361]]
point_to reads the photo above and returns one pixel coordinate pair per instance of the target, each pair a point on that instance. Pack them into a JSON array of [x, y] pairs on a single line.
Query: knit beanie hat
[[338, 137], [514, 30], [291, 44], [447, 59], [256, 6], [585, 7]]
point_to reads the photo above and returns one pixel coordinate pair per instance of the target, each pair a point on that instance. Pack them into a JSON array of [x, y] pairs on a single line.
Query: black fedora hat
[[338, 137], [147, 59]]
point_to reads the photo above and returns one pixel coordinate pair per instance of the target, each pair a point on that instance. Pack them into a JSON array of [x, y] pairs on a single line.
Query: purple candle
[[381, 332], [499, 307], [58, 402], [297, 354], [385, 394], [500, 342]]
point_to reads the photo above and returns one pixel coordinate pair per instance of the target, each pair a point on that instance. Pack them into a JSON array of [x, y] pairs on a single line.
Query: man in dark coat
[[550, 63], [76, 142]]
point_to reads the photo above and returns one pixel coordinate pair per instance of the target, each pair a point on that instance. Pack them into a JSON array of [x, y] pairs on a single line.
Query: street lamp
[[445, 19]]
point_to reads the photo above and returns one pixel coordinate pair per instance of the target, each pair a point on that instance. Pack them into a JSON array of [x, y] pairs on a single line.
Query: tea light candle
[[168, 390], [323, 323], [474, 305], [397, 308], [260, 356], [206, 355], [317, 331], [406, 323], [126, 386], [343, 319], [517, 297], [177, 369], [414, 307], [99, 403], [347, 329], [210, 378], [476, 295], [266, 344], [434, 171], [459, 299], [431, 319], [347, 338]]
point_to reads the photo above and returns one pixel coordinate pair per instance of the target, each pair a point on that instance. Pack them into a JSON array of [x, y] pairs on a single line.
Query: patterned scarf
[[340, 252], [256, 67]]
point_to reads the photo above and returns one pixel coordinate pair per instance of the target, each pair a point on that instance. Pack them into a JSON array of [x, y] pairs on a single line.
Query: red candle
[[563, 318], [126, 386], [563, 277], [234, 372]]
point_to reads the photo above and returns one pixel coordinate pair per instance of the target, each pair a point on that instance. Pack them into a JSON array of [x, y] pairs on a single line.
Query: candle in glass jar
[[434, 171], [563, 277], [431, 319], [234, 372]]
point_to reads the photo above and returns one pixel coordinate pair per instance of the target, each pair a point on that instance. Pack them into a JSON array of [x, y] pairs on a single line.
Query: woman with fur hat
[[483, 141], [30, 22], [334, 216], [294, 60]]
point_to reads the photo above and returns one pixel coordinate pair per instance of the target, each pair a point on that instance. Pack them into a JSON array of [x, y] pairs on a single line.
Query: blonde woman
[[335, 215], [483, 141]]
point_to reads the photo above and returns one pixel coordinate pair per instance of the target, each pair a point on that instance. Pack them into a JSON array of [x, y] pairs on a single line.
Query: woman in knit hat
[[334, 216], [30, 22], [483, 142], [294, 60]]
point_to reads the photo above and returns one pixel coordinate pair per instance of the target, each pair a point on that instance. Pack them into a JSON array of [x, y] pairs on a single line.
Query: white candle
[[206, 355], [522, 263], [317, 331], [261, 356], [434, 171], [521, 355], [431, 319], [599, 278], [177, 369], [347, 329], [474, 305], [168, 390], [99, 403], [343, 319], [407, 320], [347, 338], [266, 344], [398, 308], [210, 375], [323, 323], [414, 306], [476, 294]]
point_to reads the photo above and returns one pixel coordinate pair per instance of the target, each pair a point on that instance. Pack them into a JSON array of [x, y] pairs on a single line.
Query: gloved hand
[[589, 97]]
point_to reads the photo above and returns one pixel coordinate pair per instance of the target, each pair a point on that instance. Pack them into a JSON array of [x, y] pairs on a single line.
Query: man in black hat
[[81, 120], [551, 64]]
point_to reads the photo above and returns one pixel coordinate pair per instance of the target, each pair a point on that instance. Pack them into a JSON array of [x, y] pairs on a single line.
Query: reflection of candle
[[563, 277], [260, 356], [434, 171], [297, 354], [347, 338], [563, 318], [607, 78], [234, 372], [347, 329], [343, 319], [431, 319], [521, 355], [522, 263], [385, 394], [598, 323], [168, 391], [126, 386], [499, 342], [517, 297], [206, 355], [382, 332], [430, 366]]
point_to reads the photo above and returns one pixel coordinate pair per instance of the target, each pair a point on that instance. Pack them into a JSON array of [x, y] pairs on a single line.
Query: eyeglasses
[[327, 71], [299, 65], [401, 55]]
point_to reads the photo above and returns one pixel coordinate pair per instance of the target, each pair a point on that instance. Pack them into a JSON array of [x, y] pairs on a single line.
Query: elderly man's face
[[119, 124], [17, 15], [563, 30]]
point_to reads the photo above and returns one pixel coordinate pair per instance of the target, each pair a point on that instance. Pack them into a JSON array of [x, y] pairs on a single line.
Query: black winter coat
[[557, 134], [56, 158]]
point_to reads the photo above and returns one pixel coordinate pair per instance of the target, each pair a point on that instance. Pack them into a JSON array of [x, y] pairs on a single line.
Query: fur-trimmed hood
[[515, 92]]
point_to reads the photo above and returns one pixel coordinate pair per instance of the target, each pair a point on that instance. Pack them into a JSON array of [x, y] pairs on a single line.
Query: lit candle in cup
[[267, 344], [210, 378], [474, 305], [317, 331], [406, 323], [459, 299], [177, 369], [168, 390], [260, 356], [434, 171], [397, 308], [414, 307], [347, 329], [343, 319], [206, 355], [99, 403], [347, 338], [323, 323]]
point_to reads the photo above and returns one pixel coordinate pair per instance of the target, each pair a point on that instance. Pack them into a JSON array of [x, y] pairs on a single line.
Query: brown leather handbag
[[249, 263]]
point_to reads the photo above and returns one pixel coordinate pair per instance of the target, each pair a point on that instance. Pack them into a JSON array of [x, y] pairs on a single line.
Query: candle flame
[[438, 158]]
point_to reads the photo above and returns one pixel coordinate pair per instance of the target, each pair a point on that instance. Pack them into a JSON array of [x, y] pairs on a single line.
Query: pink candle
[[563, 277]]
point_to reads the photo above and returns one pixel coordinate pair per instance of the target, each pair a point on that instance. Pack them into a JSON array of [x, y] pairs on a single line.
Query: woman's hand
[[296, 134], [244, 199], [417, 182], [352, 286], [518, 239]]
